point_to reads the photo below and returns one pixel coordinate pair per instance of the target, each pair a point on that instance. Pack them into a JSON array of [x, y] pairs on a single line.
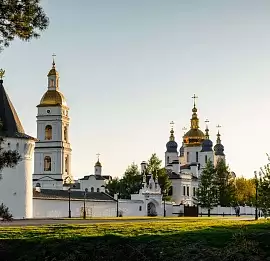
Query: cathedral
[[185, 167]]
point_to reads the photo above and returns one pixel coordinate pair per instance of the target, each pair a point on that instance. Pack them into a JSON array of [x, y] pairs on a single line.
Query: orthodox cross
[[2, 73], [172, 124], [194, 97], [98, 156], [206, 122], [218, 127], [53, 55], [184, 129]]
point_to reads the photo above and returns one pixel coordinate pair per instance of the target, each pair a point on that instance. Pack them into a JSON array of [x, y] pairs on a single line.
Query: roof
[[75, 195], [172, 175], [11, 124], [98, 177]]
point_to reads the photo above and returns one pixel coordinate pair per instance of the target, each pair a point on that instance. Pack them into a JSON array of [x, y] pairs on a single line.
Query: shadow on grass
[[214, 243]]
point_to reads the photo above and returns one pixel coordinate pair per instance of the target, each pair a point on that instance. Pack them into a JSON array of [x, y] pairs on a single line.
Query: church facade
[[184, 166]]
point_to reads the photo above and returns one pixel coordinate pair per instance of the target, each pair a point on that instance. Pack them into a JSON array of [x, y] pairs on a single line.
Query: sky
[[128, 68]]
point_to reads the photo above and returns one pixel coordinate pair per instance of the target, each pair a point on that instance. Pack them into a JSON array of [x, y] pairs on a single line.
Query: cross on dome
[[194, 97]]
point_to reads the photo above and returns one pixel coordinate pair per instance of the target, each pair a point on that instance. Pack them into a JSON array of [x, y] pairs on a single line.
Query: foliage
[[154, 167], [264, 189], [113, 186], [245, 191], [170, 239], [8, 159], [225, 184], [22, 19], [207, 193], [4, 213]]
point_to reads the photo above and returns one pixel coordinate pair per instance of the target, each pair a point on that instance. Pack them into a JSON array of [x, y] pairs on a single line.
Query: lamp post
[[117, 204], [84, 212], [69, 210], [164, 206], [256, 195]]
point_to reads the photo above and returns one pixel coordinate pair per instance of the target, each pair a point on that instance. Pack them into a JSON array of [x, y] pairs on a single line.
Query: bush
[[4, 213]]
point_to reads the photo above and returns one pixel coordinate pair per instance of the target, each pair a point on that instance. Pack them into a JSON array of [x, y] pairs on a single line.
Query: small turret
[[219, 148], [98, 167]]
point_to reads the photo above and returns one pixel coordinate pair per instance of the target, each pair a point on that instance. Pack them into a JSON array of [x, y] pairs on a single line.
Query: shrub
[[4, 213]]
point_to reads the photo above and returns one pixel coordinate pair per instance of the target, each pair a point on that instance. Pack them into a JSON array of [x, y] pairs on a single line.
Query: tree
[[22, 19], [112, 187], [225, 184], [207, 193], [4, 213], [8, 158], [154, 167], [245, 190], [264, 189]]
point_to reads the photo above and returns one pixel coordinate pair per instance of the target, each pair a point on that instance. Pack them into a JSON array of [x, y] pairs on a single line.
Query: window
[[187, 157], [66, 164], [65, 133], [92, 189], [188, 191], [140, 208], [194, 191], [197, 156], [97, 189], [168, 160], [205, 158], [48, 132], [47, 163], [184, 190], [170, 192], [51, 83]]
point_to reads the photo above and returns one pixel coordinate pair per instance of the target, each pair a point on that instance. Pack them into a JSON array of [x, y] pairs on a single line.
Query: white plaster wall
[[210, 156], [244, 210], [172, 156], [51, 208], [92, 182], [131, 208], [192, 153], [176, 187], [16, 184]]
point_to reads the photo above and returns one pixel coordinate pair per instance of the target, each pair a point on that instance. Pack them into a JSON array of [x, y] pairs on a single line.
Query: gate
[[191, 211]]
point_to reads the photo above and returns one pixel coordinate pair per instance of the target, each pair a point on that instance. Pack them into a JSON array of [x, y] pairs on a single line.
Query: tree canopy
[[245, 191], [23, 19]]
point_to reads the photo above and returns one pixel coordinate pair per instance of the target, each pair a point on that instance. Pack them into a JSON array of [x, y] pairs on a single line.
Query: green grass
[[172, 239]]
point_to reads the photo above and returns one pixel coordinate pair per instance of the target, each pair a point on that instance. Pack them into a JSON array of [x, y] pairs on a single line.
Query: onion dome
[[171, 144], [219, 148], [194, 137], [98, 164], [207, 144]]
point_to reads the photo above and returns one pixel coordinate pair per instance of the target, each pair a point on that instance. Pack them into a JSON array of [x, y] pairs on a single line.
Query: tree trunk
[[209, 212]]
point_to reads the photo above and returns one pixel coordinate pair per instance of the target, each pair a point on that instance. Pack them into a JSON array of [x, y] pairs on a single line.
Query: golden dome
[[52, 72], [194, 137], [98, 164], [53, 98]]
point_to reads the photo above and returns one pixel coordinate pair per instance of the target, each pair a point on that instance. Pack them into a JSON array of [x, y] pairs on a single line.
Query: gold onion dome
[[53, 98], [98, 164], [194, 137]]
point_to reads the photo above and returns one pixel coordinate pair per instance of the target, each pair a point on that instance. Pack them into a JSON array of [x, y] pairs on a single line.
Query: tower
[[207, 148], [193, 138], [16, 190], [171, 154], [218, 148], [98, 167], [52, 165]]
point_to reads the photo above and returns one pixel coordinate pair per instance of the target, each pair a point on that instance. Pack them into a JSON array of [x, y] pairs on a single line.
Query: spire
[[206, 129], [172, 131], [98, 164], [10, 123], [194, 120], [218, 135]]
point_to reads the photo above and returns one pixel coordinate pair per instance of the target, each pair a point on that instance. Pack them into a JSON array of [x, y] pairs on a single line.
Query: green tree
[[207, 192], [154, 167], [113, 186], [225, 184], [245, 191], [264, 189], [22, 19]]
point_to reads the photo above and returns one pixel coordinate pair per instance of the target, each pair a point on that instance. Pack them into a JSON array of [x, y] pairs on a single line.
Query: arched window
[[48, 132], [51, 83], [66, 164], [47, 163], [65, 133], [168, 159], [197, 156], [187, 157], [97, 189], [205, 158], [140, 208], [92, 189]]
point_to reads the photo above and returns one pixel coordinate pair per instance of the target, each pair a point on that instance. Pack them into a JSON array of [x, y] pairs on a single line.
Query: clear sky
[[129, 67]]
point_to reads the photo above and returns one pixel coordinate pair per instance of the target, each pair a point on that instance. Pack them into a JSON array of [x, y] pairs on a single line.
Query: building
[[185, 167], [15, 183], [52, 166]]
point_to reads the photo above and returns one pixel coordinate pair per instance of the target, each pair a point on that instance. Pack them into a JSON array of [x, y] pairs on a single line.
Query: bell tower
[[52, 165]]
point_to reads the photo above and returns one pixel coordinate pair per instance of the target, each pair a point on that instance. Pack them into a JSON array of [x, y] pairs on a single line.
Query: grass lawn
[[173, 239]]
